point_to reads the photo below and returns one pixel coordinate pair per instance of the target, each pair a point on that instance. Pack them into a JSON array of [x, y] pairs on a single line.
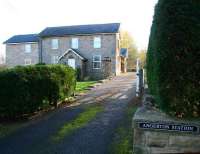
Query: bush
[[2, 67], [40, 64], [173, 57], [25, 89], [78, 74]]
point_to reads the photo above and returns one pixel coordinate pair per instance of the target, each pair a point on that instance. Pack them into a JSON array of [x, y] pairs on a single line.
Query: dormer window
[[74, 43], [28, 48], [54, 43], [97, 42]]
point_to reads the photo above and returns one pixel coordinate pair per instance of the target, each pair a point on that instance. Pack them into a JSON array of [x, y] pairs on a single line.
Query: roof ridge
[[83, 25], [25, 34]]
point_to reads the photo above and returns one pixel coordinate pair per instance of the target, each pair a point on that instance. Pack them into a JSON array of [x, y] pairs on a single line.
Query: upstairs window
[[27, 61], [27, 48], [97, 62], [97, 42], [54, 43], [74, 43], [54, 59]]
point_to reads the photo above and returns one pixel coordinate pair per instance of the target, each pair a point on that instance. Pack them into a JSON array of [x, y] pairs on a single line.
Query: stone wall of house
[[109, 48], [157, 133], [16, 55]]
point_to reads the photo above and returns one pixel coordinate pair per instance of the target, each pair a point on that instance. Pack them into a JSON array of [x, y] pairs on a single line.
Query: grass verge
[[82, 120], [7, 129], [123, 140], [82, 86]]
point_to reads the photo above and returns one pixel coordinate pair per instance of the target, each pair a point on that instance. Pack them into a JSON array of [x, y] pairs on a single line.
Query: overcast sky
[[31, 16]]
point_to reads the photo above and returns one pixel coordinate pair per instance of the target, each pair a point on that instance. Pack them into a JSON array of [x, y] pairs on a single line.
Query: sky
[[32, 16]]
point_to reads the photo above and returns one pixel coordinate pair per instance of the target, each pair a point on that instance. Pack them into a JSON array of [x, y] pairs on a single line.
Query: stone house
[[94, 50]]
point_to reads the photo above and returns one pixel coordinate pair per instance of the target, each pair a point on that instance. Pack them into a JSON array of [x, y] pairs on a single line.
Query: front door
[[71, 62]]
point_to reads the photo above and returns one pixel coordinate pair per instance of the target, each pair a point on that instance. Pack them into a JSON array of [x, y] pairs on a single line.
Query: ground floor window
[[97, 62], [27, 61]]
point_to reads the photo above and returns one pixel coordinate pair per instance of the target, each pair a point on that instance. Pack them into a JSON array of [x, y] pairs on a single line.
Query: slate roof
[[23, 38], [124, 52], [80, 29]]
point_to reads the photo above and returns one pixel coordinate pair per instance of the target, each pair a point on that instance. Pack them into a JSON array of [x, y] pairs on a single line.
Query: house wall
[[15, 54], [109, 48]]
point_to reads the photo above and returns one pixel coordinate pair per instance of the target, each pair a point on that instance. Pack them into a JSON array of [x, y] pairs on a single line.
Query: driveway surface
[[94, 138]]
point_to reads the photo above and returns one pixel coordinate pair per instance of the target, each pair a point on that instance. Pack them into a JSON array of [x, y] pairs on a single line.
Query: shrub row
[[173, 57], [26, 89]]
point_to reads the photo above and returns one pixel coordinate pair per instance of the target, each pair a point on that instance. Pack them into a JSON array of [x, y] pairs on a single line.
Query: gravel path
[[95, 138]]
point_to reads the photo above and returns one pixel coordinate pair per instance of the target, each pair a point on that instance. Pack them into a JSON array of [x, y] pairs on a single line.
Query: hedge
[[26, 89], [173, 63]]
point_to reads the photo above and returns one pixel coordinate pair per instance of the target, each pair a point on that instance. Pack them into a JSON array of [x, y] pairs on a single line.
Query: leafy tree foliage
[[142, 57], [128, 42]]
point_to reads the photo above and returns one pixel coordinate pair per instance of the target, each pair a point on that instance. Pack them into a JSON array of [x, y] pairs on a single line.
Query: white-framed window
[[74, 43], [54, 59], [97, 42], [54, 44], [97, 62], [27, 48], [27, 61]]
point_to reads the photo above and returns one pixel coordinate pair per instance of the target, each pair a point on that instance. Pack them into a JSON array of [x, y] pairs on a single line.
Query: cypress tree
[[173, 58]]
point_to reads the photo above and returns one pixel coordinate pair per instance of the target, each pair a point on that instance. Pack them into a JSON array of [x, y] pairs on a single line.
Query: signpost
[[169, 127]]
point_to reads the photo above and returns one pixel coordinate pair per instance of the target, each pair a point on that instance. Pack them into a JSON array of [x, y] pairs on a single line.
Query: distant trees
[[142, 57], [128, 42]]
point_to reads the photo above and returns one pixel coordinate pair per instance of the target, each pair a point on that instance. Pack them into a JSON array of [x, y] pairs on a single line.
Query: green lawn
[[82, 120], [82, 86]]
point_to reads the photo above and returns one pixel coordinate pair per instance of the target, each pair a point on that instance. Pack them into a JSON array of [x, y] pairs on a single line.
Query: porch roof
[[75, 51]]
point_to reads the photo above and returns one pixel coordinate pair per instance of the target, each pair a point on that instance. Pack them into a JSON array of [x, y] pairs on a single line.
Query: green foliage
[[82, 86], [142, 57], [173, 57], [25, 89], [2, 67], [8, 128], [40, 64], [78, 74]]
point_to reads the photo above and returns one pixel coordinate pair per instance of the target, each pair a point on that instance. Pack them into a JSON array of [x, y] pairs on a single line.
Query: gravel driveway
[[94, 138]]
